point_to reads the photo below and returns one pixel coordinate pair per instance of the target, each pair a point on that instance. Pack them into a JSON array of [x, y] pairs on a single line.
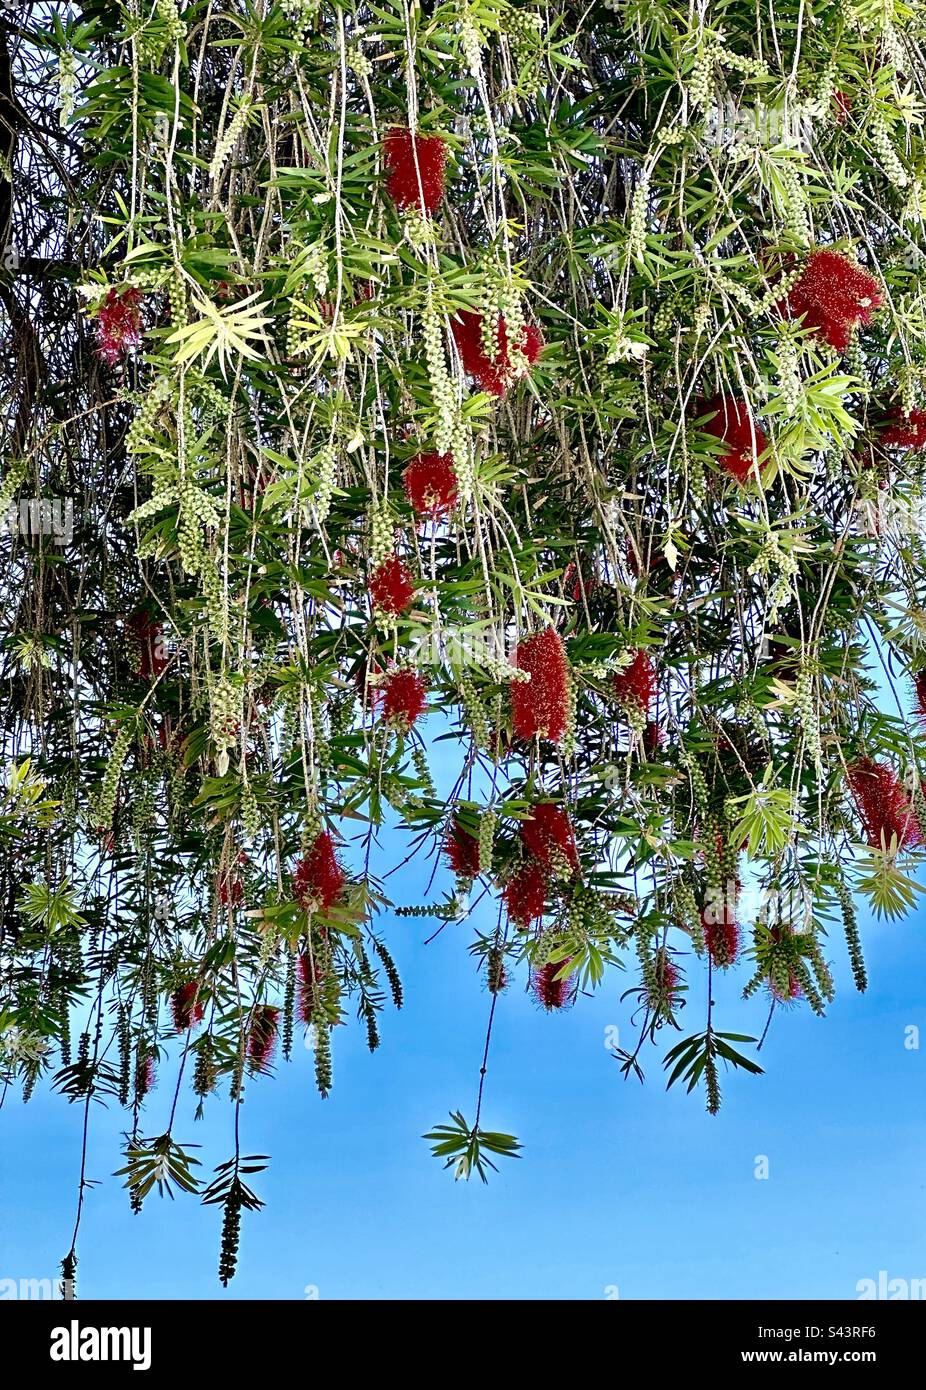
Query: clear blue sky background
[[620, 1185]]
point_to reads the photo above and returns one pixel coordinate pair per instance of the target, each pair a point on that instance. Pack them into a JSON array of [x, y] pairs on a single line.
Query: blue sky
[[620, 1186]]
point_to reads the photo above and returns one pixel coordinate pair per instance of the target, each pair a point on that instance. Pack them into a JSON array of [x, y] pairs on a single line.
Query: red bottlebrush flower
[[310, 977], [577, 584], [461, 850], [262, 1035], [185, 1007], [635, 686], [231, 891], [403, 694], [883, 805], [841, 105], [653, 737], [391, 586], [540, 706], [722, 939], [833, 296], [231, 884], [668, 977], [493, 375], [150, 657], [319, 878], [526, 895], [642, 560], [735, 427], [118, 325], [905, 431], [919, 687], [548, 836], [430, 485], [145, 1075], [548, 990], [416, 166]]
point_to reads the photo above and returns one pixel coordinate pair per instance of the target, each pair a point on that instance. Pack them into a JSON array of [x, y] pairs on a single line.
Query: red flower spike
[[118, 325], [526, 895], [722, 940], [735, 427], [416, 167], [262, 1035], [151, 658], [319, 878], [430, 485], [493, 375], [642, 561], [883, 805], [461, 850], [185, 1008], [540, 706], [231, 888], [145, 1076], [578, 585], [636, 684], [391, 586], [668, 976], [905, 431], [841, 105], [653, 737], [548, 990], [403, 694], [919, 686], [833, 296], [549, 836]]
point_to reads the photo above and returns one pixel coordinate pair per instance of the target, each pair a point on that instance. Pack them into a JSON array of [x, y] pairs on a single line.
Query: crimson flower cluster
[[150, 658], [540, 706], [186, 1009], [548, 990], [403, 694], [883, 805], [319, 878], [905, 431], [118, 325], [262, 1036], [493, 374], [635, 685], [833, 297], [732, 423], [430, 483], [549, 845], [392, 587], [461, 850], [416, 168]]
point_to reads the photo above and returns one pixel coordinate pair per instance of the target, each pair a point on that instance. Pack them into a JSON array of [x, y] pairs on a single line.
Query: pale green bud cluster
[[807, 714], [443, 391], [67, 85], [225, 712], [487, 826], [382, 533], [890, 160], [105, 801], [229, 140], [325, 465]]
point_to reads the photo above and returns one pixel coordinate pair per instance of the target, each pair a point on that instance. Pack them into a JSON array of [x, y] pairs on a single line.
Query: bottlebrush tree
[[548, 372]]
